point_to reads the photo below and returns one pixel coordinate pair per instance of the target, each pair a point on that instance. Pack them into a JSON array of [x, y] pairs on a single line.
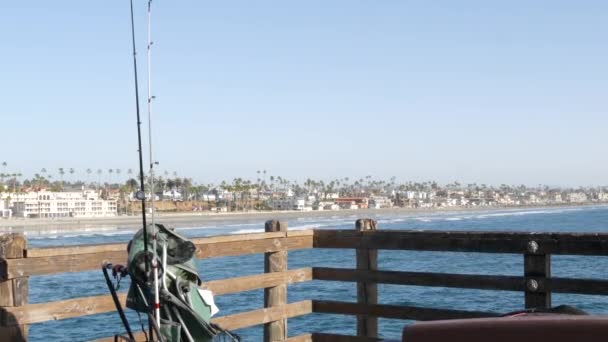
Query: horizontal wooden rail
[[394, 311], [300, 338], [69, 308], [468, 281], [70, 259], [261, 316], [458, 241], [464, 281], [256, 317]]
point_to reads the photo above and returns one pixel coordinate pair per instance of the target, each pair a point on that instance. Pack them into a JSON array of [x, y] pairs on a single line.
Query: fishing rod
[[141, 194], [152, 162]]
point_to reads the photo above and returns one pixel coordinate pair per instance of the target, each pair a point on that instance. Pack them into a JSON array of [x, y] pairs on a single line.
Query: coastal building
[[46, 204], [556, 197], [577, 197], [352, 202], [172, 195], [5, 212], [378, 202], [289, 204]]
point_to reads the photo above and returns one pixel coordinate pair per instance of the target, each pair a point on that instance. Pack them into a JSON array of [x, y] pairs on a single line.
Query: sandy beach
[[184, 220]]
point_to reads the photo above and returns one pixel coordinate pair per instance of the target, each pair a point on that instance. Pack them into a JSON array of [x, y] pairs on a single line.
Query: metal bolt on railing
[[532, 285], [532, 246]]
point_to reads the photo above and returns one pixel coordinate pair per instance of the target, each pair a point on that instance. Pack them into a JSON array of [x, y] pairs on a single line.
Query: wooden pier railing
[[18, 263]]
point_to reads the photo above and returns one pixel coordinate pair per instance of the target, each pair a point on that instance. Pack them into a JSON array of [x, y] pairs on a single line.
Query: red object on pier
[[532, 327]]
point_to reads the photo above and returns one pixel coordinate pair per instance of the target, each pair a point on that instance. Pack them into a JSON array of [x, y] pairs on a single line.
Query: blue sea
[[579, 219]]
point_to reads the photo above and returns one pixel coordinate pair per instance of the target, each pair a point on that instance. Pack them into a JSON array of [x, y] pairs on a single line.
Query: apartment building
[[46, 204]]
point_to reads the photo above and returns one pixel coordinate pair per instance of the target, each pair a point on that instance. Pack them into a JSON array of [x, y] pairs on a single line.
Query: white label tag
[[208, 298]]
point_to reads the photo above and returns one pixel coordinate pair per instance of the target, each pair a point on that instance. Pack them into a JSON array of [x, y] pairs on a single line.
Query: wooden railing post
[[277, 295], [13, 292], [367, 293], [537, 268]]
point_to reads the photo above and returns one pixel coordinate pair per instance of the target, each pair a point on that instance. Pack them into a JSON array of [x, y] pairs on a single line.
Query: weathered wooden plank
[[238, 237], [258, 281], [266, 315], [253, 247], [6, 293], [324, 337], [255, 317], [14, 291], [367, 291], [537, 295], [307, 232], [85, 262], [465, 281], [299, 338], [12, 245], [395, 311], [276, 295], [71, 250], [42, 312], [100, 248], [58, 310], [483, 242], [61, 263], [580, 286], [469, 281], [20, 290]]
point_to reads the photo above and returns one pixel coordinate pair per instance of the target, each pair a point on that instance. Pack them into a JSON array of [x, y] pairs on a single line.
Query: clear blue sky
[[485, 91]]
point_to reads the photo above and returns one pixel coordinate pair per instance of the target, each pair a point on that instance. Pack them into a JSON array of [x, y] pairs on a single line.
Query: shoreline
[[187, 219]]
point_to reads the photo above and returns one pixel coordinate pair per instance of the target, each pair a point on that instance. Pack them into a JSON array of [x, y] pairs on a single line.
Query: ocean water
[[580, 219]]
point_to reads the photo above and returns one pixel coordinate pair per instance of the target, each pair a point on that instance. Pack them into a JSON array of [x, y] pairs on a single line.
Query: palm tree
[[61, 173], [72, 174], [4, 171], [14, 175], [132, 184], [118, 171], [89, 171], [99, 172], [110, 171]]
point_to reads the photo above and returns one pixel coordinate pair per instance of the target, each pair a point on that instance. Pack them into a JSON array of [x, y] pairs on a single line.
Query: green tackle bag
[[185, 315]]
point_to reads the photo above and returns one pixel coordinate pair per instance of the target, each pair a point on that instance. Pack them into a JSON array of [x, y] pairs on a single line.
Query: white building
[[4, 211], [557, 197], [46, 204], [577, 197], [331, 206], [289, 204], [421, 195], [378, 202], [172, 195]]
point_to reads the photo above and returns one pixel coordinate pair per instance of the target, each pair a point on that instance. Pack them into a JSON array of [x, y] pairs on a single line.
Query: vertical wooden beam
[[277, 295], [367, 293], [13, 292], [537, 268]]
